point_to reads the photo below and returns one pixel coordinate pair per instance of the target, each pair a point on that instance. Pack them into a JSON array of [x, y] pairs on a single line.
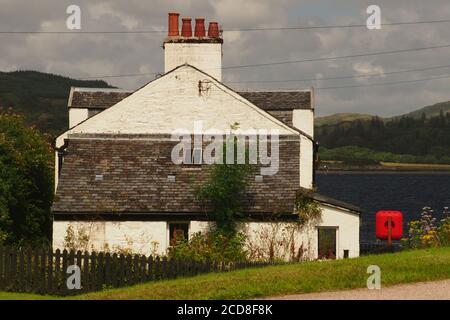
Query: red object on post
[[389, 225]]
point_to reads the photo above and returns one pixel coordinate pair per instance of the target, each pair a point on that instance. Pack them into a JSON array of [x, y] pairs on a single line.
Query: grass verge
[[404, 267]]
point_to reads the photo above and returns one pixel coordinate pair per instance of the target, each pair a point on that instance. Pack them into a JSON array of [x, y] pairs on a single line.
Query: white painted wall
[[347, 225], [135, 235], [76, 116], [348, 229], [138, 236], [172, 103], [306, 163], [204, 56], [304, 121]]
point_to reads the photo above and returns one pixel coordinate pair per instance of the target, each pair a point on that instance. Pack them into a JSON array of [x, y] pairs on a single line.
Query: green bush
[[428, 232], [224, 191], [211, 246], [26, 182]]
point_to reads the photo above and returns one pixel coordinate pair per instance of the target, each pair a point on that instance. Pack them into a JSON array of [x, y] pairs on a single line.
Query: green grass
[[404, 267], [24, 296]]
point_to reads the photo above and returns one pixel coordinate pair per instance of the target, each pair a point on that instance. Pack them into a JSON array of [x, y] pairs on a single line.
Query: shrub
[[210, 246], [428, 232], [26, 182]]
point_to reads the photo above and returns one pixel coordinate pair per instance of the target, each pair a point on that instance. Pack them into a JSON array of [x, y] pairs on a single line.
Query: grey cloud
[[97, 55]]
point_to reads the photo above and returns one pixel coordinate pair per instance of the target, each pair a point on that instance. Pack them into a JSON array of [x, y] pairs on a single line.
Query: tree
[[224, 192], [26, 182]]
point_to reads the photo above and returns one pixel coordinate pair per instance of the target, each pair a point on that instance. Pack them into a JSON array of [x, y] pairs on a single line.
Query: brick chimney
[[201, 50]]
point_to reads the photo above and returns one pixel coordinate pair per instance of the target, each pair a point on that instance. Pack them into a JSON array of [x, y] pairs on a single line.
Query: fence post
[[35, 271], [100, 272], [164, 268], [121, 270], [143, 269], [93, 271], [107, 280], [128, 270], [57, 277], [63, 275], [150, 269], [13, 273], [157, 268], [1, 267], [114, 270], [7, 277], [50, 271], [85, 271]]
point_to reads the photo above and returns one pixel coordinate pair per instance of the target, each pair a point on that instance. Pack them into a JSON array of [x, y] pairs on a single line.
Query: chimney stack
[[174, 24], [213, 30], [200, 28], [201, 49], [186, 28]]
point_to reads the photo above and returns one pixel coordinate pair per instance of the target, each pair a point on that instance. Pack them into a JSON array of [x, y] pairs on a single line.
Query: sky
[[96, 55]]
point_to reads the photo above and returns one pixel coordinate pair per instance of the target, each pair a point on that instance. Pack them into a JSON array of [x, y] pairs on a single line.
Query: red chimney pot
[[186, 29], [200, 28], [213, 30], [174, 24]]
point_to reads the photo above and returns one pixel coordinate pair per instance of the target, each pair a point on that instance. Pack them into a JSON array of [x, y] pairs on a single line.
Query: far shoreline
[[381, 171]]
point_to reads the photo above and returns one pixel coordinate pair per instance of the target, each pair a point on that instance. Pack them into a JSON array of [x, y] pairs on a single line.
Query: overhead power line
[[287, 28], [382, 83], [283, 62], [337, 26], [122, 75], [342, 77], [335, 57]]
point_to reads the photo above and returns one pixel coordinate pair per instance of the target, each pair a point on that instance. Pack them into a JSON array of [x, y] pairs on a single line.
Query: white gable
[[173, 102]]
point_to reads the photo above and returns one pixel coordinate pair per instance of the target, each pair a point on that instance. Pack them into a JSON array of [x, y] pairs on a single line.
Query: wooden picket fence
[[43, 271]]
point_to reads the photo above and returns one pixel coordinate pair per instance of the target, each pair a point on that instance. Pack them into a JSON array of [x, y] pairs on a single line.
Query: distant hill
[[341, 117], [431, 111], [41, 97], [338, 118]]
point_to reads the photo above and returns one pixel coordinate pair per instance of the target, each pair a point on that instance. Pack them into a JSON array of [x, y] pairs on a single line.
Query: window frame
[[336, 229]]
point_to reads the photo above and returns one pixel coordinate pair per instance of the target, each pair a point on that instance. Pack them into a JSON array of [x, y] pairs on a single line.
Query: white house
[[116, 180]]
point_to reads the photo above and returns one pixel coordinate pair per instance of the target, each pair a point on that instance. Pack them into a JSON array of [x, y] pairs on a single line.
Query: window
[[327, 243], [193, 159], [178, 232], [197, 156]]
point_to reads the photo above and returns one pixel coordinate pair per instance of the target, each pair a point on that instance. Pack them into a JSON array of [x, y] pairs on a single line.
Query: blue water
[[407, 192]]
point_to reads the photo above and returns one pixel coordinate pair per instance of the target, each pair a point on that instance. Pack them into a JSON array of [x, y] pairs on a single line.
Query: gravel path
[[439, 290]]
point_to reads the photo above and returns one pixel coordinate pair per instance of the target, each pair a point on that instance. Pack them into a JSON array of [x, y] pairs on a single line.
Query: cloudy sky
[[95, 55]]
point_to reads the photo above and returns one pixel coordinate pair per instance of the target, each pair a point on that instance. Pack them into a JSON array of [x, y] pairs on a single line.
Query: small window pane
[[197, 156], [327, 243]]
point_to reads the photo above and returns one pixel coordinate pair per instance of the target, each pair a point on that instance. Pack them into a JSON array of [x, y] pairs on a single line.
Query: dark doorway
[[178, 232]]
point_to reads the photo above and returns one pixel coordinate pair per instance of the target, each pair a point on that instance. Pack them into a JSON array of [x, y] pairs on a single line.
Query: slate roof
[[131, 176], [338, 203], [106, 175], [279, 100], [268, 100], [95, 98]]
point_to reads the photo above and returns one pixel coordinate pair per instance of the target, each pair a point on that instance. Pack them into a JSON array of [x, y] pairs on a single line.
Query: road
[[438, 290]]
